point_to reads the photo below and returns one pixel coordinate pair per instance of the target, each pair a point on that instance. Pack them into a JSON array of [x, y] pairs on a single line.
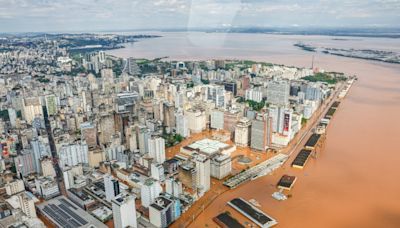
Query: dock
[[312, 141], [286, 182], [224, 220], [254, 214], [301, 159], [259, 170]]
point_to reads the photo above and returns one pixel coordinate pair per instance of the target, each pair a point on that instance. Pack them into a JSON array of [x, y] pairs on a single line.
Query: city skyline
[[105, 15]]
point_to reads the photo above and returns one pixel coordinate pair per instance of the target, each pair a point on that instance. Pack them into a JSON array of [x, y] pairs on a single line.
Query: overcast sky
[[94, 15]]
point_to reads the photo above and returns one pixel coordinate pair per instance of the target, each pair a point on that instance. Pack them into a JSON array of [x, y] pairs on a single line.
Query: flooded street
[[354, 182]]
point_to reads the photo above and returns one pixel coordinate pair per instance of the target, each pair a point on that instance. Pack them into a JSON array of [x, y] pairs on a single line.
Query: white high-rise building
[[217, 119], [277, 115], [203, 173], [27, 204], [221, 166], [150, 190], [32, 108], [111, 186], [70, 174], [253, 95], [242, 132], [157, 149], [173, 187], [39, 150], [182, 126], [124, 211], [278, 92], [157, 171], [197, 120], [143, 139], [15, 187], [160, 212], [73, 154]]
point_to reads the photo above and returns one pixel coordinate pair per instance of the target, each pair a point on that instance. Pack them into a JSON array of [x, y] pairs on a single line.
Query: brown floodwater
[[355, 181]]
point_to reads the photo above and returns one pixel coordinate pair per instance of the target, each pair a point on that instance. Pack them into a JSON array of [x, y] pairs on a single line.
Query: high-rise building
[[157, 171], [157, 149], [150, 190], [24, 163], [197, 120], [231, 86], [231, 117], [169, 115], [182, 125], [47, 167], [27, 204], [125, 102], [277, 115], [32, 109], [70, 174], [89, 134], [243, 132], [73, 154], [254, 95], [124, 211], [216, 93], [102, 57], [221, 166], [217, 119], [15, 187], [111, 186], [278, 92], [143, 139], [261, 132], [203, 173], [173, 187], [161, 212]]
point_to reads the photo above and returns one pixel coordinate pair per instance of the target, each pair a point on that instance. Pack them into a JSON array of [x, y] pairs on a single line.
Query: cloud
[[82, 15]]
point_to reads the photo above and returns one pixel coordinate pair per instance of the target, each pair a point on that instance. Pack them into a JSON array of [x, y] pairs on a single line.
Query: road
[[53, 150]]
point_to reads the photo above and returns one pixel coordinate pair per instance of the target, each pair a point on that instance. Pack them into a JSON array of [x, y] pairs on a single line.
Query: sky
[[111, 15]]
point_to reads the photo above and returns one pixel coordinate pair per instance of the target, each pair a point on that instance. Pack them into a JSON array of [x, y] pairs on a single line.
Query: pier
[[259, 170], [252, 213]]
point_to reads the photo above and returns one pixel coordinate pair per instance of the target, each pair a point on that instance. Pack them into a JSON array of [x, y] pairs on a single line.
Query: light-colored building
[[27, 204], [111, 186], [253, 95], [32, 109], [150, 190], [70, 176], [160, 212], [47, 187], [197, 120], [221, 166], [278, 92], [173, 187], [124, 211], [242, 132], [15, 187], [47, 167], [203, 173], [217, 119], [157, 149], [73, 154], [182, 125]]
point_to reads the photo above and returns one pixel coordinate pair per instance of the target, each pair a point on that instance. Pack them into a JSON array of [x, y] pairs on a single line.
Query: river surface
[[355, 181]]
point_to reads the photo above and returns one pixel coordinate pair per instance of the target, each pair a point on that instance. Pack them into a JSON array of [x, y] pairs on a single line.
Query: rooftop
[[63, 213], [207, 146]]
